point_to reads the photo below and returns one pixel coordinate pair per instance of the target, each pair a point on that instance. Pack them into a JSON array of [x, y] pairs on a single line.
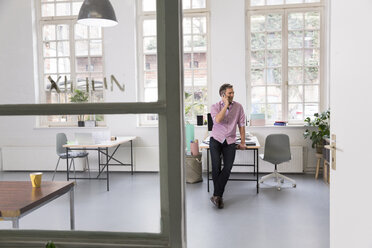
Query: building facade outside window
[[196, 54], [285, 58], [70, 55]]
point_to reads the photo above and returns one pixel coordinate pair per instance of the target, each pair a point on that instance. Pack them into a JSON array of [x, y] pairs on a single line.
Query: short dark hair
[[224, 87]]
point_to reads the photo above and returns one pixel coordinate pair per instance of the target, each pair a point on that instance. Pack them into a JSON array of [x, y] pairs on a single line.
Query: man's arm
[[242, 138], [221, 114]]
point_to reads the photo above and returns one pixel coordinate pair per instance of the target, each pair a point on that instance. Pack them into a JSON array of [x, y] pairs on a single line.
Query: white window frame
[[171, 150], [150, 15], [70, 20], [285, 9]]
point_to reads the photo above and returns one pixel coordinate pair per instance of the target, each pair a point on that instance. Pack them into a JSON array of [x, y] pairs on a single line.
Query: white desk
[[255, 162], [103, 149]]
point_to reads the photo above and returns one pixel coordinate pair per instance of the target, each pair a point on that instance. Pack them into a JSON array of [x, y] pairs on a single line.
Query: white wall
[[17, 80]]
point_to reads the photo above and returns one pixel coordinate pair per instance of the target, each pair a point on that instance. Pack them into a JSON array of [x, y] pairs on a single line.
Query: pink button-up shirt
[[226, 129]]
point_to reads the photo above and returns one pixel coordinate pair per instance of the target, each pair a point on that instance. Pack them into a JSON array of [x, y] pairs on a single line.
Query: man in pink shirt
[[227, 115]]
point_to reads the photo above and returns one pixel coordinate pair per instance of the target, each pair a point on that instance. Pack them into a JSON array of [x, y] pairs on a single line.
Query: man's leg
[[215, 148], [228, 152]]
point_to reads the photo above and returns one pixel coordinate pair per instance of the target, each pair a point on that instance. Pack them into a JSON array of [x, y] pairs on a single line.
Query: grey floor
[[292, 217]]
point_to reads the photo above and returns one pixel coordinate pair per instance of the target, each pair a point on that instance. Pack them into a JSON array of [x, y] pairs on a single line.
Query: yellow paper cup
[[36, 179]]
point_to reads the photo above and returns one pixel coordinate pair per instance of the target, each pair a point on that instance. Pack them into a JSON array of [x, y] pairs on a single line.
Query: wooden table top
[[252, 138], [18, 197], [107, 144]]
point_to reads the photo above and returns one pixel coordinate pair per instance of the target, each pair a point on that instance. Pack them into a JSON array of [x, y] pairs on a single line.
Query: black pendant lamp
[[97, 13]]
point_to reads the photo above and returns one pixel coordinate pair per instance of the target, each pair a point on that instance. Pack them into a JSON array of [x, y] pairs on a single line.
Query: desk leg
[[131, 155], [68, 176], [208, 168], [99, 161], [15, 223], [258, 185], [107, 169], [254, 162], [72, 209]]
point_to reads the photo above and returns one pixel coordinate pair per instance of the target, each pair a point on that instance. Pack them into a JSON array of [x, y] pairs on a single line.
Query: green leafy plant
[[189, 106], [50, 244], [321, 122], [79, 97]]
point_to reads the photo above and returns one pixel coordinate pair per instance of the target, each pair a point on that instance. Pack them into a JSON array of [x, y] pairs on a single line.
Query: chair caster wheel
[[294, 185], [278, 188], [282, 180]]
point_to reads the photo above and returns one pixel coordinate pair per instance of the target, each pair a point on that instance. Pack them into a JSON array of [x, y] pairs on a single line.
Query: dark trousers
[[220, 177]]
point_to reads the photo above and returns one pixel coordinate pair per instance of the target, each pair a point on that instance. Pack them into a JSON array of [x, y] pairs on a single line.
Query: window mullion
[[285, 66]]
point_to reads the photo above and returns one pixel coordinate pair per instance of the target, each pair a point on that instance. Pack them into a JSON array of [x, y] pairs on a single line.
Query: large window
[[71, 57], [285, 59], [195, 40]]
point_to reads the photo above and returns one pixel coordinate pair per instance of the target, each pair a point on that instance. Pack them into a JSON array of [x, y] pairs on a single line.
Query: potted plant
[[321, 123], [79, 97]]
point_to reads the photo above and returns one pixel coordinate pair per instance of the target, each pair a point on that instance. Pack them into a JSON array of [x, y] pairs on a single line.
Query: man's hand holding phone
[[225, 100]]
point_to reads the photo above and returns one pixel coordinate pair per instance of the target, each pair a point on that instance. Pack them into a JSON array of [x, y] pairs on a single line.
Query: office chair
[[61, 140], [277, 151]]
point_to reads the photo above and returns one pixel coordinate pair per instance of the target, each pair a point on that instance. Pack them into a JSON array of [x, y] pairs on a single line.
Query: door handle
[[332, 147]]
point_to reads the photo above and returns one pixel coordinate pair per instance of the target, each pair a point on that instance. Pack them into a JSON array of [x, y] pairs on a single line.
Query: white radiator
[[246, 157]]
